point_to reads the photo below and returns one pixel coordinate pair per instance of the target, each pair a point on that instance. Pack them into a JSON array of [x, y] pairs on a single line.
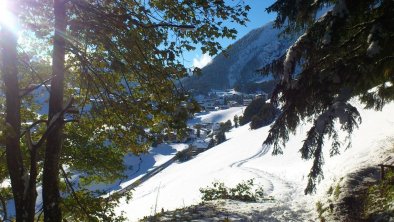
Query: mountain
[[236, 67]]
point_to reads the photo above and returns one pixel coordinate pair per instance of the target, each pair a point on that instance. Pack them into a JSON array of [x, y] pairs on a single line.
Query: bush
[[379, 201], [220, 137], [240, 120], [242, 192], [226, 126], [184, 155], [236, 119], [320, 211], [337, 191]]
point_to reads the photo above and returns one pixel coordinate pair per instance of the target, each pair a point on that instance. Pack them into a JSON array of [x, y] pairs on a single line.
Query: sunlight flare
[[6, 16]]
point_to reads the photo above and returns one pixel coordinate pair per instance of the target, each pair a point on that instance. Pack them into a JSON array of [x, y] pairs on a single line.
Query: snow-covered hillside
[[241, 60], [243, 157]]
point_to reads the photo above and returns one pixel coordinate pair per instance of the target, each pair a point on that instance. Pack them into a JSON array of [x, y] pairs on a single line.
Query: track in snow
[[264, 150], [272, 179], [287, 206]]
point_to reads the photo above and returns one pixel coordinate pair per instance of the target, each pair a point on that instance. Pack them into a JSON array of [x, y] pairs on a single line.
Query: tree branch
[[32, 126], [73, 193], [35, 73], [56, 118], [4, 206], [164, 24], [28, 90]]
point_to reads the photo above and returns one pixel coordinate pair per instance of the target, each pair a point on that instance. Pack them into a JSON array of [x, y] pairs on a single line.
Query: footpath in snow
[[243, 157]]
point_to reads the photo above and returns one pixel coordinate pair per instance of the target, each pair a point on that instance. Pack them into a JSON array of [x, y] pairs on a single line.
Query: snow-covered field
[[243, 157], [217, 116]]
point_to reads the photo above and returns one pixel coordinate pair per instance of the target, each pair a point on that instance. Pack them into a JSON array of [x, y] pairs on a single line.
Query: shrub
[[198, 128], [236, 119], [320, 211], [184, 155], [379, 201], [242, 192], [337, 191], [330, 191], [220, 137], [226, 126]]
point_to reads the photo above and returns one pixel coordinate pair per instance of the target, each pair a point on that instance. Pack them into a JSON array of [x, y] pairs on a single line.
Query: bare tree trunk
[[24, 194], [51, 195]]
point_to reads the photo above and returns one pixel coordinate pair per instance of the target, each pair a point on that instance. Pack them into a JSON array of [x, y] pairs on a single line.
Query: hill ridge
[[237, 65]]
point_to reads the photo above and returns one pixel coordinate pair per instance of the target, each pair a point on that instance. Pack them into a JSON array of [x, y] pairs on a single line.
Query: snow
[[373, 49], [217, 116], [292, 55], [263, 45], [201, 61], [201, 144], [139, 165], [243, 157], [253, 51]]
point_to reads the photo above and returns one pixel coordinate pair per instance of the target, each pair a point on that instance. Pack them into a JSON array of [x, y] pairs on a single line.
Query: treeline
[[259, 113]]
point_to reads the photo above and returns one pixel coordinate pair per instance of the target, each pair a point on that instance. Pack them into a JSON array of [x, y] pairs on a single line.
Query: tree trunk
[[24, 196], [12, 119], [51, 195]]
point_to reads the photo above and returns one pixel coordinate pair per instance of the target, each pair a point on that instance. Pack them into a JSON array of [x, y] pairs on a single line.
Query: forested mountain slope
[[238, 64]]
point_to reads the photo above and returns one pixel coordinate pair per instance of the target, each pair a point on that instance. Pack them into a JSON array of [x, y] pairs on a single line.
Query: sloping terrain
[[283, 177], [238, 65]]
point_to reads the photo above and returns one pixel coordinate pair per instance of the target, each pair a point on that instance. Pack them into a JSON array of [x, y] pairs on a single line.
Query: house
[[247, 102], [208, 104], [224, 106], [262, 95], [215, 128], [232, 103], [201, 143]]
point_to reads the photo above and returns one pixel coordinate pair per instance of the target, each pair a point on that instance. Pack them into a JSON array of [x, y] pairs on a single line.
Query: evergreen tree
[[252, 109], [235, 121], [220, 137], [240, 120], [198, 128], [226, 126], [346, 53], [265, 116]]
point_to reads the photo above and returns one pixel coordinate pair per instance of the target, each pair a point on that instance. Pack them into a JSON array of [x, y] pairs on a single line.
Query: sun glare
[[6, 17]]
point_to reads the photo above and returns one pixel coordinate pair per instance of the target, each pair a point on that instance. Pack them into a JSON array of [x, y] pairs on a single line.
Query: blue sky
[[257, 16]]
